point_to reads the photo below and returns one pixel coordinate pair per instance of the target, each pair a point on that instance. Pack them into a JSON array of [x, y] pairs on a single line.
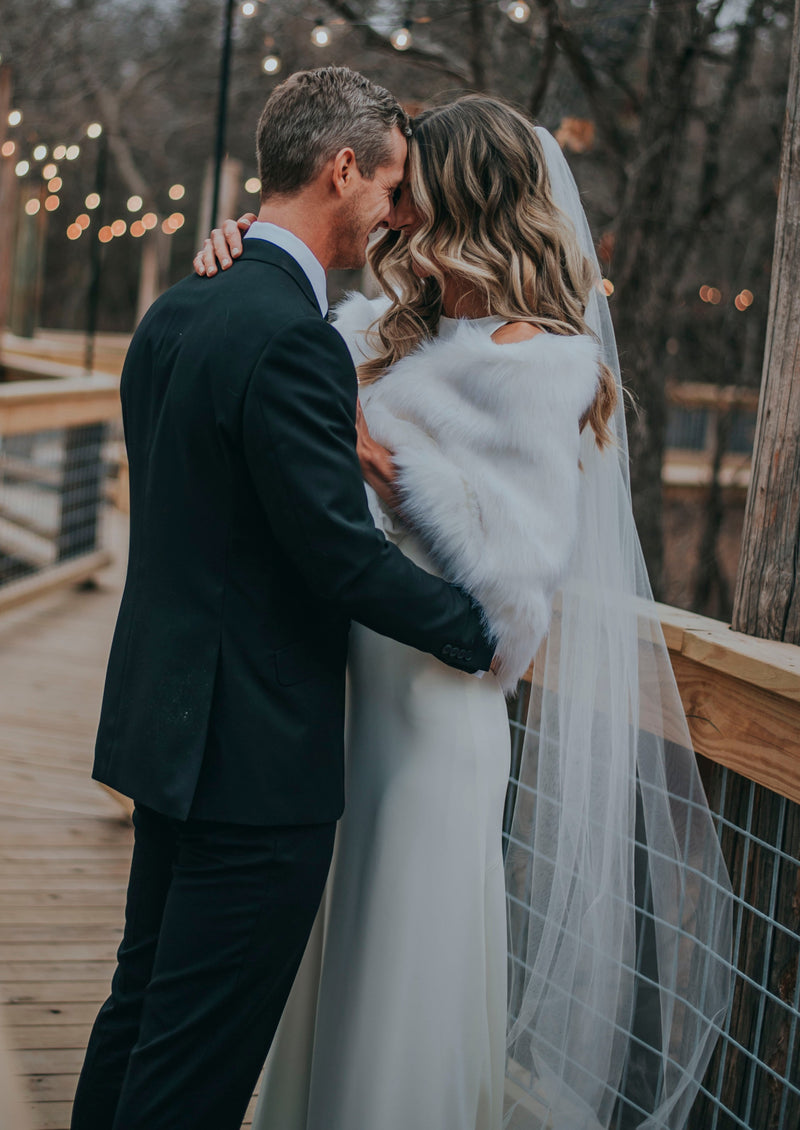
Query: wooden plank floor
[[65, 843]]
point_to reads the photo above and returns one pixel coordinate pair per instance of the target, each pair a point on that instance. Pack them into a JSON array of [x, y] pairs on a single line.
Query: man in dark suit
[[251, 550]]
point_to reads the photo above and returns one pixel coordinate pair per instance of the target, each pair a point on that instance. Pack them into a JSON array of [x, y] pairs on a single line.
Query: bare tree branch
[[435, 58]]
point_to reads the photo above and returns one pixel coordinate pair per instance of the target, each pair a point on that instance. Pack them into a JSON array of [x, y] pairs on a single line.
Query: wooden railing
[[52, 466]]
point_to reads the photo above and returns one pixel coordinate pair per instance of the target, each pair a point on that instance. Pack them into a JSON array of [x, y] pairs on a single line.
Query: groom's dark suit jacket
[[251, 550]]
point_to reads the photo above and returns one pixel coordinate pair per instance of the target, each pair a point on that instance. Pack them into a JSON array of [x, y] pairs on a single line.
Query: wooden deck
[[65, 843]]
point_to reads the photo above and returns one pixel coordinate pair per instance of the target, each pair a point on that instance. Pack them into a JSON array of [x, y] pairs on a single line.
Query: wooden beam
[[72, 572], [33, 406]]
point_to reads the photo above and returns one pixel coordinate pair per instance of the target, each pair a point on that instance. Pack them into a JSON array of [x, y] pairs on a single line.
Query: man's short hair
[[312, 115]]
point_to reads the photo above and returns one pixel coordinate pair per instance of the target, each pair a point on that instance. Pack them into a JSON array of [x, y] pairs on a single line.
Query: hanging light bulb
[[518, 11], [321, 35], [271, 63], [401, 39]]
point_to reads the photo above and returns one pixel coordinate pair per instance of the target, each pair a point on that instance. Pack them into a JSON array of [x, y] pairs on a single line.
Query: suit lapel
[[266, 252]]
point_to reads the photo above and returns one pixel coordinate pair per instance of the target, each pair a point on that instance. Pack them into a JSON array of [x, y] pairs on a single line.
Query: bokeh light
[[51, 203], [82, 221], [50, 171], [105, 235], [55, 184], [8, 149], [137, 229], [73, 152], [271, 64], [119, 227], [321, 35], [252, 184], [149, 221], [401, 39], [94, 130], [74, 231], [177, 192], [40, 152], [32, 206], [134, 204], [15, 117], [92, 201], [21, 168], [60, 152]]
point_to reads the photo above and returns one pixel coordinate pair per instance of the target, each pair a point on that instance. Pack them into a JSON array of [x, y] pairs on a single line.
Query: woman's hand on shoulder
[[223, 245], [515, 331]]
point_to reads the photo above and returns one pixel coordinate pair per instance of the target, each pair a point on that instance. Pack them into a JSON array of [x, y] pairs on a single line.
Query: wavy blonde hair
[[478, 178]]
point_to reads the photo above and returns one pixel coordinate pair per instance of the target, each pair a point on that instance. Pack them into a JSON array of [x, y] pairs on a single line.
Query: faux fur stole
[[486, 443]]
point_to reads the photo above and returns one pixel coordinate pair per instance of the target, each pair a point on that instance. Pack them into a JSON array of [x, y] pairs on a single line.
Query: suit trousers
[[216, 922]]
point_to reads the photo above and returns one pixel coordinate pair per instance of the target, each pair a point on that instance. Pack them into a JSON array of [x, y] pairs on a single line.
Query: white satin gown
[[397, 1018]]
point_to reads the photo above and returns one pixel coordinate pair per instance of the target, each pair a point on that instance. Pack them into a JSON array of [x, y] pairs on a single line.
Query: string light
[[518, 11], [119, 227], [105, 235], [271, 64], [252, 184], [55, 184], [94, 130], [74, 231], [21, 168], [40, 152], [321, 35], [8, 149], [32, 207], [743, 300], [137, 229], [82, 221], [15, 117], [92, 201], [177, 192], [59, 153], [50, 171], [51, 203], [72, 152], [710, 294], [401, 39], [149, 221], [176, 220], [134, 204]]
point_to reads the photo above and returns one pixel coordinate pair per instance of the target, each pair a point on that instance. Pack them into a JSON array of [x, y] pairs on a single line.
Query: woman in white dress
[[486, 403]]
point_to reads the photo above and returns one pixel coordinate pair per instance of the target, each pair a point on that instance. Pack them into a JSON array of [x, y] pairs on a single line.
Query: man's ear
[[344, 171]]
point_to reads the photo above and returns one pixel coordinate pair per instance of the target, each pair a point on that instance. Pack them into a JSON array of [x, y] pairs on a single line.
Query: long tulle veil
[[619, 903]]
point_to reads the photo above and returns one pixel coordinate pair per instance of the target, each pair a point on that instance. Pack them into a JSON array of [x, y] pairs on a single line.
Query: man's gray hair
[[312, 115]]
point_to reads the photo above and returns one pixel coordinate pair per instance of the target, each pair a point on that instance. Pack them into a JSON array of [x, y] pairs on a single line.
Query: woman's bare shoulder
[[515, 331]]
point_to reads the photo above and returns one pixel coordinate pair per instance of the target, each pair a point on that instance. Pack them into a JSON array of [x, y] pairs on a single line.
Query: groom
[[251, 550]]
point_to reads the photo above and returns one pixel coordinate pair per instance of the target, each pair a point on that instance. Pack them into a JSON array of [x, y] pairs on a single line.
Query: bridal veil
[[619, 903]]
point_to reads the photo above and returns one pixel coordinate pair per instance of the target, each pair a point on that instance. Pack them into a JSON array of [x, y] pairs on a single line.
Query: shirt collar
[[299, 251]]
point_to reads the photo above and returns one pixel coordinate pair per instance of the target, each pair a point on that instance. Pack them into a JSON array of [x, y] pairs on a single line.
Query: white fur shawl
[[486, 444]]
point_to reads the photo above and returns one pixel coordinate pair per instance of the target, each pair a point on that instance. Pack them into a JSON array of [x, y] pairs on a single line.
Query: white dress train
[[397, 1018]]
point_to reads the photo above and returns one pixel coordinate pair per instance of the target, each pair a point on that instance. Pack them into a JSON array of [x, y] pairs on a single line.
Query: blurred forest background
[[670, 113]]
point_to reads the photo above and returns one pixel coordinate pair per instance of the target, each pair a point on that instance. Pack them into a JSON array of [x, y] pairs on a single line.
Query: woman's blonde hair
[[478, 177]]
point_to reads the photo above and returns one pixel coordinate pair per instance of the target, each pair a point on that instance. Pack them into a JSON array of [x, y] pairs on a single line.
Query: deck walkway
[[65, 844]]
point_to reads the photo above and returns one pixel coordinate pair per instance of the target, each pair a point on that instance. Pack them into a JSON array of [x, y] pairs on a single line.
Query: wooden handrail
[[32, 406]]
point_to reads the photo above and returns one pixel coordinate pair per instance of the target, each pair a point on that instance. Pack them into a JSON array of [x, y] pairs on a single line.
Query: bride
[[578, 978]]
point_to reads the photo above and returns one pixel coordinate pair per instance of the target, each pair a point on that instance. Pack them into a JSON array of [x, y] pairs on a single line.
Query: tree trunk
[[767, 601], [8, 202]]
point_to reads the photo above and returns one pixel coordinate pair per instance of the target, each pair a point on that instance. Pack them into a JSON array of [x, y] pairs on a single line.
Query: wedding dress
[[397, 1018]]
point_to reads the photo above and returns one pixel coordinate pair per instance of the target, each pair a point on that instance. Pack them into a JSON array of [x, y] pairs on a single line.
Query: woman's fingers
[[204, 261]]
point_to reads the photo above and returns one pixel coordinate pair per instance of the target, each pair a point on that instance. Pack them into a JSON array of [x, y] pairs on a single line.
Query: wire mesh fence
[[753, 1079], [51, 489]]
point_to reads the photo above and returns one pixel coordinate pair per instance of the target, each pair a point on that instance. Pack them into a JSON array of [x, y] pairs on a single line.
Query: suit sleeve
[[300, 445]]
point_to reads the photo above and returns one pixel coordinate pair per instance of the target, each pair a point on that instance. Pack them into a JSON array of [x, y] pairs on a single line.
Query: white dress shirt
[[305, 258]]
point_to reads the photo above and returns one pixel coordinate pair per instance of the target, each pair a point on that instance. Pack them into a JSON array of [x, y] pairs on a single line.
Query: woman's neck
[[461, 300]]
